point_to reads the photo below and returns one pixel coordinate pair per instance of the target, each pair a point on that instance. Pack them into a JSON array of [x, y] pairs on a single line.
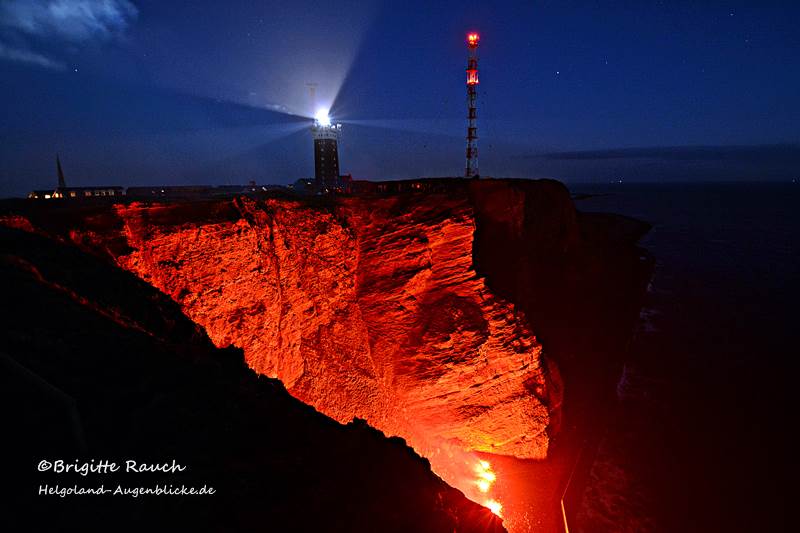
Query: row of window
[[89, 193]]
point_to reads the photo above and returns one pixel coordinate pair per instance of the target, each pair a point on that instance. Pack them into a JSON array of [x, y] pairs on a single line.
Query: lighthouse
[[326, 152]]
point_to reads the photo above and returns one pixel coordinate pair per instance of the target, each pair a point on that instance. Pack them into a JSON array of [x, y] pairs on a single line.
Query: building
[[76, 193], [62, 192]]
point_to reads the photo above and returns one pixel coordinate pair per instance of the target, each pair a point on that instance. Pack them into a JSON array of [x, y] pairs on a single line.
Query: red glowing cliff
[[363, 308], [470, 315]]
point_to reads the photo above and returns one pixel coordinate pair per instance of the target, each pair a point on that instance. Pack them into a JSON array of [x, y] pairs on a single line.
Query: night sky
[[134, 92]]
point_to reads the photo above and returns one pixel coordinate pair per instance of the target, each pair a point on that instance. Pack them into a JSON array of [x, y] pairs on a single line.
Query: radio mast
[[472, 106]]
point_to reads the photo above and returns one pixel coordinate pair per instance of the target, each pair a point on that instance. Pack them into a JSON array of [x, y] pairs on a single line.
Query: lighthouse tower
[[326, 152]]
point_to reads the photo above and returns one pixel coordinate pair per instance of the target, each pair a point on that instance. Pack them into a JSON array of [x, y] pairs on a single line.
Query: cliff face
[[421, 311], [367, 307], [98, 365], [396, 309]]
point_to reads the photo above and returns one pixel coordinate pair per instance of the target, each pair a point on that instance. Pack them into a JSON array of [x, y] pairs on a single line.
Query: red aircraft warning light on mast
[[472, 103]]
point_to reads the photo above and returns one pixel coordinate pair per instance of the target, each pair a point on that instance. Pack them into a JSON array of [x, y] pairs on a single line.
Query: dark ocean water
[[704, 434]]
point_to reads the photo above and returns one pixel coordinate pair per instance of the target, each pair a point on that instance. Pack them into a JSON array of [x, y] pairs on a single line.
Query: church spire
[[62, 184]]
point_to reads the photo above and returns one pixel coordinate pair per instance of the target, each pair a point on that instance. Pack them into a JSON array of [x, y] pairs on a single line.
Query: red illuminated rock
[[367, 307], [412, 305]]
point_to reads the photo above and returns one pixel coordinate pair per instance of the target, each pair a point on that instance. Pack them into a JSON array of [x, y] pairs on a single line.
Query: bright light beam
[[322, 117], [443, 127]]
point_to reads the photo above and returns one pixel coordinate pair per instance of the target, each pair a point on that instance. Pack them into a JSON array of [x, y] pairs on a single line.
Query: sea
[[704, 434]]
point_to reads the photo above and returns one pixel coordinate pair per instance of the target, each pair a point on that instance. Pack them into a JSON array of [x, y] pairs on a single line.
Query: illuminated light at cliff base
[[462, 469], [495, 507], [476, 482], [485, 479]]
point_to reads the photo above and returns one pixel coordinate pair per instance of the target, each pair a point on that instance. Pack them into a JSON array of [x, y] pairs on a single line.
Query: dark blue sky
[[143, 91]]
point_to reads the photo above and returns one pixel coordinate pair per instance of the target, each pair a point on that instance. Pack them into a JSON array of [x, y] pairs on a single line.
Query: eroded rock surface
[[365, 307]]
